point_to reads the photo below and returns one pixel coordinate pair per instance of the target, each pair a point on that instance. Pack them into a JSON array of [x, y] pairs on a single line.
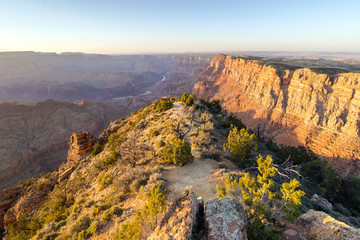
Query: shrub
[[136, 184], [93, 228], [110, 212], [177, 152], [129, 230], [96, 149], [341, 209], [188, 99], [104, 180], [163, 105], [241, 143], [214, 105], [349, 193], [153, 133], [80, 224], [111, 160]]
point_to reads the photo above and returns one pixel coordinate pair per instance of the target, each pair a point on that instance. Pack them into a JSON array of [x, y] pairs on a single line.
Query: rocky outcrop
[[320, 226], [225, 219], [180, 220], [80, 146], [298, 106], [7, 198]]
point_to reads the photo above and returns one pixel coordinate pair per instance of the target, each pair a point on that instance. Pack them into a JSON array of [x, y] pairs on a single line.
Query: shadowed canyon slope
[[34, 138], [296, 106]]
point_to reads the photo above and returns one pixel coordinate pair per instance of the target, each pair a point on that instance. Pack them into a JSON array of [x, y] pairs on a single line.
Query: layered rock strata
[[296, 107], [80, 146]]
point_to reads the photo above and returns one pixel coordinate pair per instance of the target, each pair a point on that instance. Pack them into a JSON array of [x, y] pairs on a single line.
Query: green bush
[[24, 228], [96, 149], [240, 144], [341, 209], [111, 160], [104, 180], [349, 193], [188, 99], [163, 105], [136, 184], [129, 230], [110, 212], [80, 224], [177, 152], [153, 132], [93, 228], [214, 105]]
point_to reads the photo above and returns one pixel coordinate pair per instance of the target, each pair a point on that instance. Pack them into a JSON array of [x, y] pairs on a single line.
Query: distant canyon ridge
[[315, 107], [315, 103]]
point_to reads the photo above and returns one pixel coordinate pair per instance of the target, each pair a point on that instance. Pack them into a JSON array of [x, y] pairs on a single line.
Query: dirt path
[[198, 176]]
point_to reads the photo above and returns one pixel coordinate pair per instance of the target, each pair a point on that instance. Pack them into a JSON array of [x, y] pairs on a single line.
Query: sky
[[149, 26]]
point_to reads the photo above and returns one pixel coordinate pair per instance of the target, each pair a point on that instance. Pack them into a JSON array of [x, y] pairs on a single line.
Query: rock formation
[[186, 219], [180, 220], [319, 225], [80, 146], [298, 106], [225, 219]]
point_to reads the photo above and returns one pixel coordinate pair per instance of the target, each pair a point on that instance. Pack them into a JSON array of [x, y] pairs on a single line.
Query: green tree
[[257, 193], [240, 144], [154, 207], [177, 151]]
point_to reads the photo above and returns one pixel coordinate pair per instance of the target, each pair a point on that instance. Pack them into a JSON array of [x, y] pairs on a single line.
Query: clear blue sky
[[135, 26]]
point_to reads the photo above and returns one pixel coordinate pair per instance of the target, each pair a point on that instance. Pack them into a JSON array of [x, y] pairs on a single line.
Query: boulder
[[324, 201], [225, 219], [180, 220], [318, 225]]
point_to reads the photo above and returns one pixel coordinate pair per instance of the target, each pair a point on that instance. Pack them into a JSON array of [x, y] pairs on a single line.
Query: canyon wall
[[299, 106]]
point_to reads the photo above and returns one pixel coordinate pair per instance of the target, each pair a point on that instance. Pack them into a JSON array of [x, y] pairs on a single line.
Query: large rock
[[80, 146], [179, 220], [225, 219], [298, 106], [320, 226]]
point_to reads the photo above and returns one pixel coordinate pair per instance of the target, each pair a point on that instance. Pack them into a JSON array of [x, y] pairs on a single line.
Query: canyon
[[318, 108], [43, 100]]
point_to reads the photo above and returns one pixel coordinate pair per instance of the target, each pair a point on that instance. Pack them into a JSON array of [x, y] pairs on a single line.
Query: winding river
[[142, 94]]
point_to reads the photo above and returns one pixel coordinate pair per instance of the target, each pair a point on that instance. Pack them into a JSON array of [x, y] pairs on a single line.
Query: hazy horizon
[[135, 27]]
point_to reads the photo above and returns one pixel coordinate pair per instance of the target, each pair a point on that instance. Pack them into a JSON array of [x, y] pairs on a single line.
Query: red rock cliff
[[299, 106]]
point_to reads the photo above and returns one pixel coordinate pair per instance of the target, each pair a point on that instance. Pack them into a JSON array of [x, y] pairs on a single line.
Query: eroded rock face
[[297, 106], [80, 146], [319, 225], [225, 219], [7, 198], [179, 220]]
